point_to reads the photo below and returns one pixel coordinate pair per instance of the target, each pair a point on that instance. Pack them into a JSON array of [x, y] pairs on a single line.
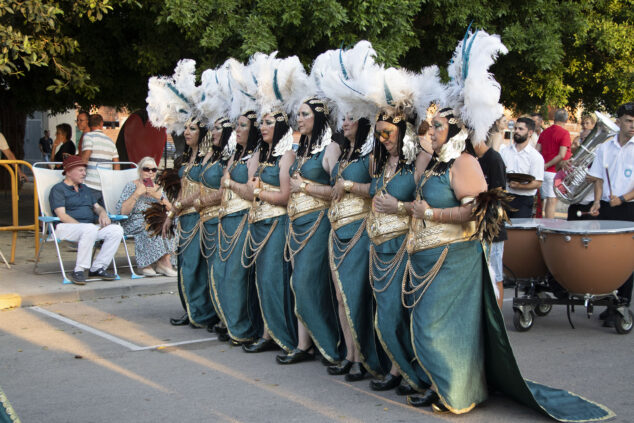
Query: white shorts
[[547, 190]]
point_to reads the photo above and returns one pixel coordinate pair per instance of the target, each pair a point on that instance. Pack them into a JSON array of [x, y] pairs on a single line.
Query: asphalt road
[[114, 361]]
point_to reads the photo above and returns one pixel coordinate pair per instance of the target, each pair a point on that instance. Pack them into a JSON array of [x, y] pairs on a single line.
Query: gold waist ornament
[[424, 234], [349, 209], [188, 188], [383, 227], [232, 203], [262, 210], [300, 203], [208, 212]]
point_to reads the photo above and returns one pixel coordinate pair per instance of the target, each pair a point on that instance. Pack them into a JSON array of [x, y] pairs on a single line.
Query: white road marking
[[112, 338]]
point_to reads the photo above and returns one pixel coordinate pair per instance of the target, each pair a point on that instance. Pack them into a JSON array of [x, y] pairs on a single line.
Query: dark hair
[[281, 128], [380, 152], [423, 128], [537, 114], [253, 139], [66, 129], [224, 139], [363, 129], [202, 133], [83, 112], [95, 121], [530, 123], [320, 124], [454, 129], [625, 109]]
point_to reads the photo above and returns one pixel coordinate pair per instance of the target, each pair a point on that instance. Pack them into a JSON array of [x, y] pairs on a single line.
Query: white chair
[[45, 179], [112, 184]]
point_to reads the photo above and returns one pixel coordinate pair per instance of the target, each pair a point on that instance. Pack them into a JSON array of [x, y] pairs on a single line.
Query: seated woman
[[136, 197]]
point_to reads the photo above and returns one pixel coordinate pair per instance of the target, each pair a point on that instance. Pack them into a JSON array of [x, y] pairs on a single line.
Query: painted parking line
[[112, 338]]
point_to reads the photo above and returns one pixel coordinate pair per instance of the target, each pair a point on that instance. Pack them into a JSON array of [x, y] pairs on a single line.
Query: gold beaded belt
[[263, 210], [188, 187], [211, 211], [300, 203], [349, 209], [232, 203], [424, 234], [382, 227]]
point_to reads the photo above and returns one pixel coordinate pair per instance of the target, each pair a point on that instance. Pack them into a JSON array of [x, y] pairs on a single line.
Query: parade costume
[[457, 328], [7, 413]]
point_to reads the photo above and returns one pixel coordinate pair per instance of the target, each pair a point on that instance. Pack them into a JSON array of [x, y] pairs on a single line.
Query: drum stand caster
[[623, 320], [523, 318]]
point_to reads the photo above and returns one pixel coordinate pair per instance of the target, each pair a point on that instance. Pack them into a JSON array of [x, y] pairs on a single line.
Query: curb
[[82, 294]]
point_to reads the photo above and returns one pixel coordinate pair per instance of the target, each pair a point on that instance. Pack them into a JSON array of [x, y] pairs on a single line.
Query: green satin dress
[[458, 330], [315, 298], [392, 320], [211, 176], [349, 263], [192, 271], [7, 413], [265, 249], [232, 283]]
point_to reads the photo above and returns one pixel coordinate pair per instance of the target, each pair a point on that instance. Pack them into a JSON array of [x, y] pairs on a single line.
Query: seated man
[[73, 203]]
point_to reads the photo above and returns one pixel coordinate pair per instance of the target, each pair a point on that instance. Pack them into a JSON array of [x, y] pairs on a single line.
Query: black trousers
[[524, 206], [623, 212]]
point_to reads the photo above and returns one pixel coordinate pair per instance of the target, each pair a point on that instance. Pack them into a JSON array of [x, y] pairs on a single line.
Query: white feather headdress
[[216, 94], [243, 88], [171, 101], [429, 89], [473, 93]]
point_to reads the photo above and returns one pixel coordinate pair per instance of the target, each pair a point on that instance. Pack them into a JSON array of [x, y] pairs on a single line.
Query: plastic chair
[[112, 184], [45, 179]]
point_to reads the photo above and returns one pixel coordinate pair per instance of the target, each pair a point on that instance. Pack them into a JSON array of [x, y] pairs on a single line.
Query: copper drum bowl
[[588, 257], [522, 255]]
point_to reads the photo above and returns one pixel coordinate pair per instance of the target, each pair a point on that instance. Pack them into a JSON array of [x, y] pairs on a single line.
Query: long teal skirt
[[460, 340], [7, 413], [392, 320], [272, 277], [233, 284], [315, 298], [209, 250], [351, 275], [192, 273]]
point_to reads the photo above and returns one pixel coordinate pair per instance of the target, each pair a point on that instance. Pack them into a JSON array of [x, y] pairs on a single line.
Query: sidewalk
[[21, 287]]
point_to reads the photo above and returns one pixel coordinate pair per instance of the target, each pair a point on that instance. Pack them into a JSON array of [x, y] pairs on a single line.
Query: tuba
[[570, 183]]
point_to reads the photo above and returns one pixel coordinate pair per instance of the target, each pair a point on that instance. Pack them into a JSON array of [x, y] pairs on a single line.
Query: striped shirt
[[102, 150]]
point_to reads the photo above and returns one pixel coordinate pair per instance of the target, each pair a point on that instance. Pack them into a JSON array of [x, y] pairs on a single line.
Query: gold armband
[[429, 214], [256, 193], [302, 187], [347, 185], [400, 208]]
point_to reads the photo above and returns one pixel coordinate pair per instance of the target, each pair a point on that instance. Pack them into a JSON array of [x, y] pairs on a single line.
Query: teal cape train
[[392, 320], [315, 299], [459, 335], [272, 272], [349, 264], [7, 413], [210, 178], [232, 283], [192, 271]]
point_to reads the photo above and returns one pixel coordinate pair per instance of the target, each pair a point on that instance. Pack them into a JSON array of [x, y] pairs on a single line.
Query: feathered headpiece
[[473, 93], [244, 89], [282, 83], [216, 94], [429, 89], [172, 100]]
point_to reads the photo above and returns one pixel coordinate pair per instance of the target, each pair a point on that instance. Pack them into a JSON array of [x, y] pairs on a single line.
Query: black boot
[[357, 372], [181, 321], [340, 369], [259, 346], [295, 356], [389, 382], [425, 400]]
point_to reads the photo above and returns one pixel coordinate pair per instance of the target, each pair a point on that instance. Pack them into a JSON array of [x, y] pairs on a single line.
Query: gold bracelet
[[347, 185], [303, 187], [256, 193], [400, 207], [450, 213], [429, 214], [170, 214], [178, 205], [440, 218], [227, 183]]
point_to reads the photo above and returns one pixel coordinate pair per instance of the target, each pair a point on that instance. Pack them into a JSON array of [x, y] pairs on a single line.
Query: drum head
[[528, 223], [586, 226]]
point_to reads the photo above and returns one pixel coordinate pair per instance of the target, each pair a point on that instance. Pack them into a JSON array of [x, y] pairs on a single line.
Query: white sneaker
[[148, 271], [167, 271]]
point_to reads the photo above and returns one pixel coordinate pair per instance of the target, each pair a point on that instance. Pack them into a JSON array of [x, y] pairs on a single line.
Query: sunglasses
[[149, 169], [383, 134]]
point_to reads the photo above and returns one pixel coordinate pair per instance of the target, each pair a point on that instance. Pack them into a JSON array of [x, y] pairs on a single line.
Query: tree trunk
[[13, 128]]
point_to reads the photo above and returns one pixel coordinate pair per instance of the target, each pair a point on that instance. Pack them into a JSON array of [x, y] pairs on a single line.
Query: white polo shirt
[[528, 161], [620, 163]]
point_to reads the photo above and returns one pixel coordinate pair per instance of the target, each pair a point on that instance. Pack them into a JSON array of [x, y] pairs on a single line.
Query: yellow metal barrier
[[12, 167]]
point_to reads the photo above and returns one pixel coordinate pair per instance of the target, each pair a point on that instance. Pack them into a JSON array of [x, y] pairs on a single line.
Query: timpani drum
[[522, 253], [588, 257]]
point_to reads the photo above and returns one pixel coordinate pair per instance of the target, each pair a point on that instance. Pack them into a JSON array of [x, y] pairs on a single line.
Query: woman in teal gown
[[264, 248], [307, 239], [451, 295], [393, 186], [210, 199], [192, 268], [7, 413], [348, 246], [233, 284]]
